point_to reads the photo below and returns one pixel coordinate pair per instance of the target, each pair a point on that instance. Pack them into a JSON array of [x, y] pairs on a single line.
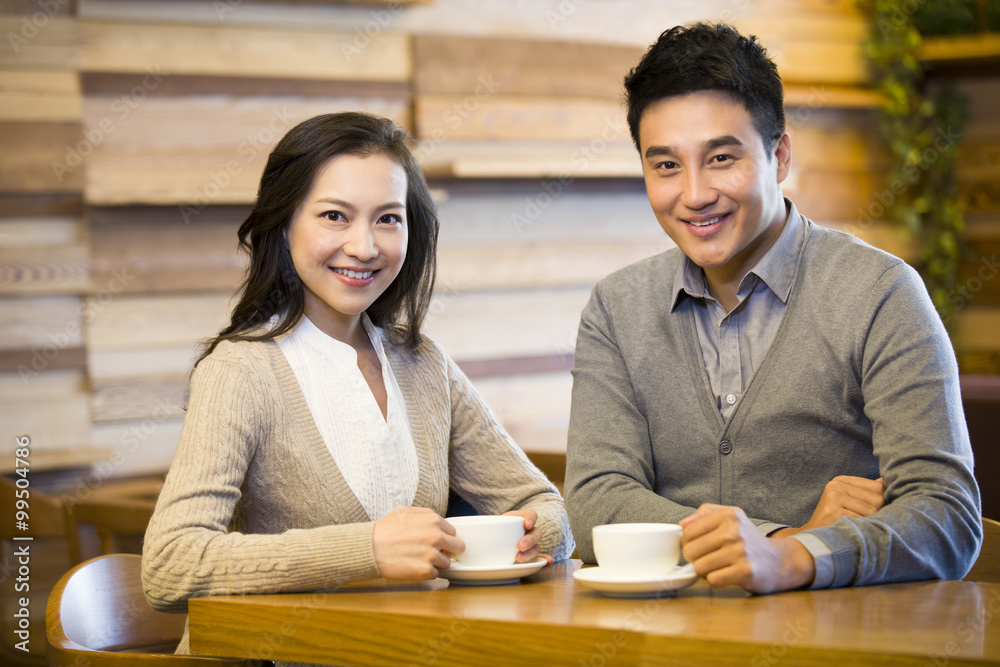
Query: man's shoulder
[[848, 275], [829, 250], [837, 239], [654, 273]]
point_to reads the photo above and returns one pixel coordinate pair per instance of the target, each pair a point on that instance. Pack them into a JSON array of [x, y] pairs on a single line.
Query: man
[[785, 392]]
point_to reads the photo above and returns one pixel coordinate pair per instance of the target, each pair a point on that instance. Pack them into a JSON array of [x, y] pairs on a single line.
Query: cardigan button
[[725, 447]]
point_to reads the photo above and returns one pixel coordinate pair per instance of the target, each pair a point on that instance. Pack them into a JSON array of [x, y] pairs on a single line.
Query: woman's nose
[[361, 242]]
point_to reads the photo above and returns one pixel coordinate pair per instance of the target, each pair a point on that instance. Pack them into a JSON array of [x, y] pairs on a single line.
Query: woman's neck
[[347, 329]]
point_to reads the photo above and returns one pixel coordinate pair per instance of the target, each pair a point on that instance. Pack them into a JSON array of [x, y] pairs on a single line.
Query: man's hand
[[726, 548], [843, 496]]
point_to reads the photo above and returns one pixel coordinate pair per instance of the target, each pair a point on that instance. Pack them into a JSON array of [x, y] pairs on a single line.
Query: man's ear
[[783, 155]]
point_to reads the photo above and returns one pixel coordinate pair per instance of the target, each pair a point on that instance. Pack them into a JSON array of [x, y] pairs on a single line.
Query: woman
[[323, 432]]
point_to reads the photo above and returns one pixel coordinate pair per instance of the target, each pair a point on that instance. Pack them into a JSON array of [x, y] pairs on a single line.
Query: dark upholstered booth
[[981, 398]]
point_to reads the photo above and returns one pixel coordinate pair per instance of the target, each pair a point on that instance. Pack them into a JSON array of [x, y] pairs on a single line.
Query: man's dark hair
[[707, 56]]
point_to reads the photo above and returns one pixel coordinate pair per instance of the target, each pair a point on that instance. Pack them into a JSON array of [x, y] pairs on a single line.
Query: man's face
[[711, 182]]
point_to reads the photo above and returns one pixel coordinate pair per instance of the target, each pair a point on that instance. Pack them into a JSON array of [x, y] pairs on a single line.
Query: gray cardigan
[[861, 380]]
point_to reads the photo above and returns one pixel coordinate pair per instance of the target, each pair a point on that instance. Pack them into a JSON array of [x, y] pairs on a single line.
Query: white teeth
[[354, 274], [706, 223]]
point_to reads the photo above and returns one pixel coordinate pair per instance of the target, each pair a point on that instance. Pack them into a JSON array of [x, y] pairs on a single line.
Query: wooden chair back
[[981, 400], [111, 518], [97, 615], [987, 565], [45, 512]]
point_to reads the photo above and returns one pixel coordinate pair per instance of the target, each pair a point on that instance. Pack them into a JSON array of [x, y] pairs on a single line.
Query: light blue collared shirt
[[734, 344]]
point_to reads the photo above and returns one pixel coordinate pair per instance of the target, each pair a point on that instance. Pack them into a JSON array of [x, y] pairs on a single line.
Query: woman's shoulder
[[247, 353]]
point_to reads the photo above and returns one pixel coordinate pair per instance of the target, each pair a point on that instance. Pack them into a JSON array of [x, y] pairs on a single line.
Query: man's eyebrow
[[656, 151], [711, 144], [719, 142]]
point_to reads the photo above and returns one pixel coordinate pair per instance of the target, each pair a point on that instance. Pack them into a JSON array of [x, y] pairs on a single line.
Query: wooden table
[[549, 619]]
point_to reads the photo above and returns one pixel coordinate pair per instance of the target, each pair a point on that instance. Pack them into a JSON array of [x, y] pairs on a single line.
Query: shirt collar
[[776, 268], [308, 333]]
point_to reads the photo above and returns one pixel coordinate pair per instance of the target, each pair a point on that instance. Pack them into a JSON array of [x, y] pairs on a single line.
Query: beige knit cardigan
[[254, 502]]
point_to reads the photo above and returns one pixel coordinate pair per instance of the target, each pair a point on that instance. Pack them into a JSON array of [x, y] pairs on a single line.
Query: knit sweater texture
[[860, 380], [254, 502]]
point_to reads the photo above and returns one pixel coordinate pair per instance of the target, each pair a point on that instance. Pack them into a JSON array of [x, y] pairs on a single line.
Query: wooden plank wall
[[135, 134], [44, 249], [976, 301]]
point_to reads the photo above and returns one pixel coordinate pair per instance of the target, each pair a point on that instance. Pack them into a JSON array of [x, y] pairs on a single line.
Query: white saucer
[[635, 587], [491, 576]]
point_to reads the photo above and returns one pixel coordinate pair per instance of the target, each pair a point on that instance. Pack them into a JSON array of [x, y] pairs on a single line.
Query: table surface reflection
[[549, 619]]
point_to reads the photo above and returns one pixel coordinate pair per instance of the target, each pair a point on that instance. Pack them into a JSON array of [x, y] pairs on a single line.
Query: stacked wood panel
[[44, 249], [44, 276]]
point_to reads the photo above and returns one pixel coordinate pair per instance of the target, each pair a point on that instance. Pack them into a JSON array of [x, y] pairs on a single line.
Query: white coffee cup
[[637, 550], [490, 541]]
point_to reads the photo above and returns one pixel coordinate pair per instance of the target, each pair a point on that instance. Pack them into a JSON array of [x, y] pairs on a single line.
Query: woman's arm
[[188, 550], [493, 474]]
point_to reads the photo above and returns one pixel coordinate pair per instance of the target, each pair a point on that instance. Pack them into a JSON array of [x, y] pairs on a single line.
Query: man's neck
[[724, 287], [724, 281]]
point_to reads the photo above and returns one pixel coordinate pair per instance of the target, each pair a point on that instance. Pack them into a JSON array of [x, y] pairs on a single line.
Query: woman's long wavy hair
[[272, 286]]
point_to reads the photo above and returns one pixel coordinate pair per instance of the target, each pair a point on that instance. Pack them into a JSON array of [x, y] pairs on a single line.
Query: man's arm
[[609, 469], [728, 550], [844, 495], [931, 525], [928, 525]]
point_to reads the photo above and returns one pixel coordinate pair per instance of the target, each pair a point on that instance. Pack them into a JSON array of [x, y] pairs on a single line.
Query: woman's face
[[348, 238]]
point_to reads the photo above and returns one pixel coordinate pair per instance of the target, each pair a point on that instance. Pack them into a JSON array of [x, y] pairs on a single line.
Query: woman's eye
[[334, 216], [390, 219]]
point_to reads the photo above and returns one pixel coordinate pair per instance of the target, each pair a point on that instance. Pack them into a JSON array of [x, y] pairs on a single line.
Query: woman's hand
[[527, 546], [413, 543]]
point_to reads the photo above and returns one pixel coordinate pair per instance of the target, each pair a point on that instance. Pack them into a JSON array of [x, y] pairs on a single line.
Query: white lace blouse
[[375, 455]]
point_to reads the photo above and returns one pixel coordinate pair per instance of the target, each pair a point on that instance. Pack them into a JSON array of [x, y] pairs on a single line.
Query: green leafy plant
[[946, 17], [921, 127], [992, 15], [955, 17]]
